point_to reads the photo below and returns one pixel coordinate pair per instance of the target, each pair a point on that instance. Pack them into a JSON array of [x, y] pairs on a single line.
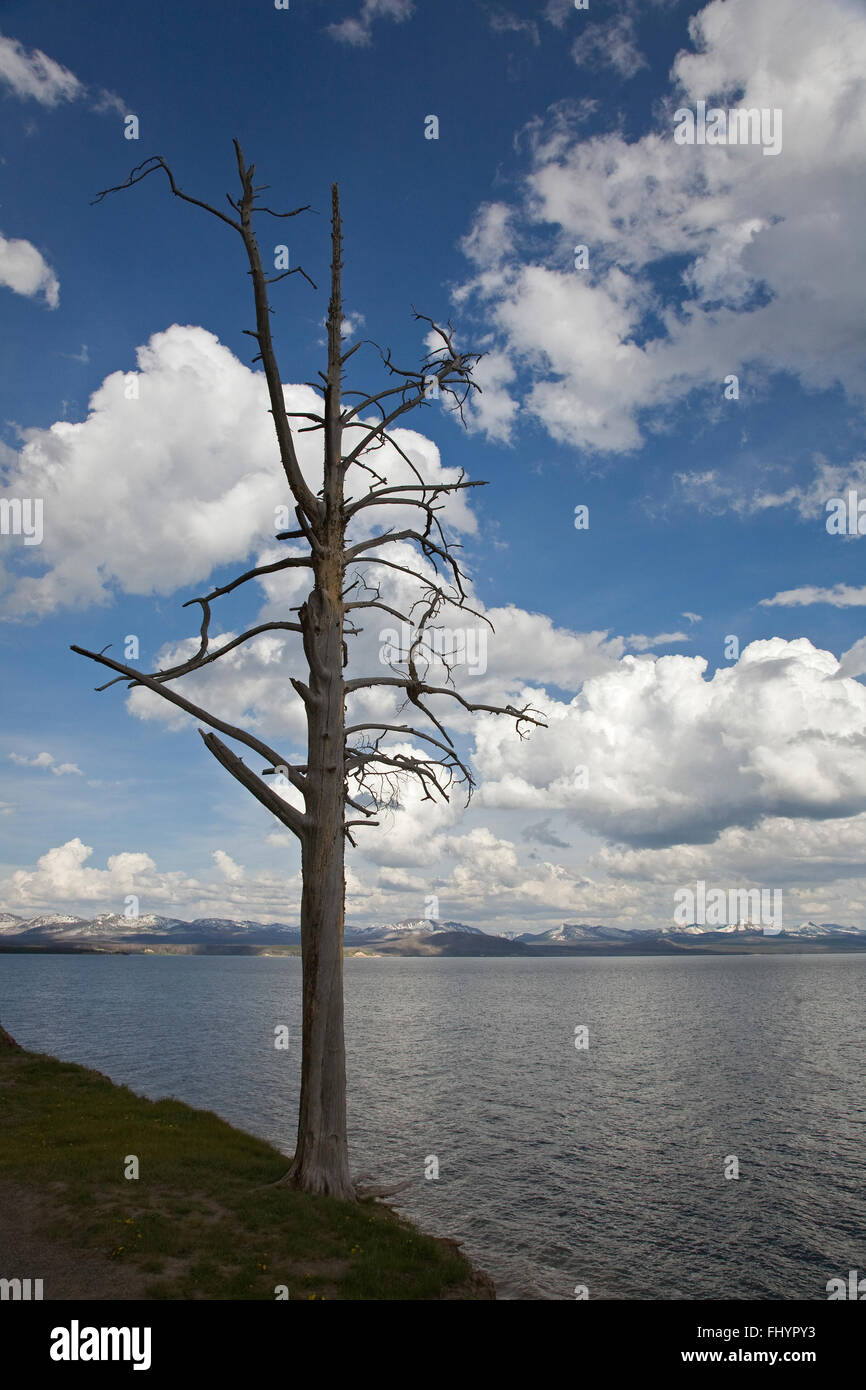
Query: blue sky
[[744, 763]]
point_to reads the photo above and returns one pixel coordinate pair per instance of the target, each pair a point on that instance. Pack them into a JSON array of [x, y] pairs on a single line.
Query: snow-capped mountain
[[49, 922], [572, 931], [228, 926], [724, 929], [116, 923], [810, 929], [414, 926], [824, 929]]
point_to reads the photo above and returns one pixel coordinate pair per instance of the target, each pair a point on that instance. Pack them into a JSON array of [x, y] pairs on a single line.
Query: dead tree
[[351, 769]]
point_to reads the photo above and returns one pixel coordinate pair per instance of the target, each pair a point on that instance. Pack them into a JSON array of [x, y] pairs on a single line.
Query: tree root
[[373, 1189], [377, 1190]]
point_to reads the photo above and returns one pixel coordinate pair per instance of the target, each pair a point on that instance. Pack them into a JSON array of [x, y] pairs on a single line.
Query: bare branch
[[426, 770], [297, 482], [198, 662], [245, 207], [141, 171], [298, 270], [386, 439], [291, 562], [431, 551], [400, 729], [151, 683], [377, 431], [291, 818], [293, 213], [414, 688], [362, 757], [195, 663], [379, 498], [373, 603], [332, 486]]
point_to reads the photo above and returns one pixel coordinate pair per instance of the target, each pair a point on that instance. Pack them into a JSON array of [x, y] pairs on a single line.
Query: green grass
[[202, 1218]]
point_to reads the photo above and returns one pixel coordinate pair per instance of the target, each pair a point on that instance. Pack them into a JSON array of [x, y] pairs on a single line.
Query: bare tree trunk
[[321, 1161]]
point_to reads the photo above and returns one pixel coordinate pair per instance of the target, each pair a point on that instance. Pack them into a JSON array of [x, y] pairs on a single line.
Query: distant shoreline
[[471, 947]]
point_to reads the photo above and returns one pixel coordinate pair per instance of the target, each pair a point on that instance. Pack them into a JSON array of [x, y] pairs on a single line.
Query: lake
[[559, 1166]]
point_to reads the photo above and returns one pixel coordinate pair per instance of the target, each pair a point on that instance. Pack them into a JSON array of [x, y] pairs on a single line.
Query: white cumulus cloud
[[34, 75], [653, 753], [46, 762], [25, 271], [357, 30]]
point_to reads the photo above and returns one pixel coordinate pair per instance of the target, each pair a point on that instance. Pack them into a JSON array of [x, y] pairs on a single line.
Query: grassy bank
[[202, 1221]]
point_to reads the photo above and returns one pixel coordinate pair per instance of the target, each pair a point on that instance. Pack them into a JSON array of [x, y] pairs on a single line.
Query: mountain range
[[572, 932], [114, 927]]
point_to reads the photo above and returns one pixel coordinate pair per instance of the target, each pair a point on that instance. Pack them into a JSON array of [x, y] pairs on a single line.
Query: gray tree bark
[[321, 1161]]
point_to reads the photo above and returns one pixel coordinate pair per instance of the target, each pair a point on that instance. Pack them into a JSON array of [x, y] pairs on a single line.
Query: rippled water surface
[[558, 1167]]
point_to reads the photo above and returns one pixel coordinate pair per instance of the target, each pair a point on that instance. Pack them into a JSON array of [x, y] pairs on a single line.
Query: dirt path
[[67, 1271]]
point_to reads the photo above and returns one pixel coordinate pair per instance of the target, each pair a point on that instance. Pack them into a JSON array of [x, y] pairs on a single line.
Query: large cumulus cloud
[[174, 472], [655, 754]]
